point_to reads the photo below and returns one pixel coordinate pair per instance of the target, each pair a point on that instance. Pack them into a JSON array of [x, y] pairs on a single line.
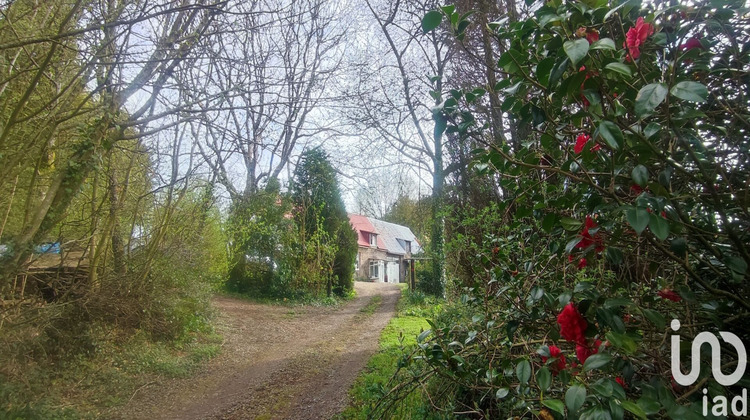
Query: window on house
[[373, 239], [374, 269], [356, 262], [408, 246]]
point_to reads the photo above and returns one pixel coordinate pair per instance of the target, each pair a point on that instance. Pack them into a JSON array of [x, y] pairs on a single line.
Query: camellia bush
[[631, 209]]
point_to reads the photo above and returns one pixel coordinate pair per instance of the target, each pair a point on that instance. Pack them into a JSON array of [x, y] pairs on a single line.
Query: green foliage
[[263, 244], [328, 242], [413, 213], [427, 282], [88, 387], [622, 196]]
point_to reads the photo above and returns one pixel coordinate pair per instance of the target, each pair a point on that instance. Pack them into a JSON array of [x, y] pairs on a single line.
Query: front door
[[392, 271]]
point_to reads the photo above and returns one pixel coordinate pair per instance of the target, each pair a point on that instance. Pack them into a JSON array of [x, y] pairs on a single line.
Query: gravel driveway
[[277, 362]]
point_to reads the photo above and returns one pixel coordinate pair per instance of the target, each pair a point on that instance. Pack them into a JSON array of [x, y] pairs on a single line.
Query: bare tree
[[401, 113], [381, 189], [274, 78]]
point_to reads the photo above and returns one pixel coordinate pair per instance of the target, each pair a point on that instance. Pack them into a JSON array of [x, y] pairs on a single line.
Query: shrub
[[624, 194]]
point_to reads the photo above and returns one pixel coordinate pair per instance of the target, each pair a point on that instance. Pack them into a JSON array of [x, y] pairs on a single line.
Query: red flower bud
[[691, 43]]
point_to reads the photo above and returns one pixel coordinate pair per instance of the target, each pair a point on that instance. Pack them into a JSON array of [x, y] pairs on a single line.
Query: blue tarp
[[47, 248]]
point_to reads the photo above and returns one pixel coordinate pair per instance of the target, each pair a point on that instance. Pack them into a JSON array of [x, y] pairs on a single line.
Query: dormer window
[[373, 239], [408, 247]]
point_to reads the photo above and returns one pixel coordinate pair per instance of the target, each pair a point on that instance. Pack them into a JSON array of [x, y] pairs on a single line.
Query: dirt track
[[277, 362]]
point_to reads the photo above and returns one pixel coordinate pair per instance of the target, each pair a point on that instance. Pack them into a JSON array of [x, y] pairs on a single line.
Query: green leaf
[[622, 341], [659, 226], [678, 246], [558, 71], [603, 44], [572, 244], [690, 91], [544, 70], [637, 218], [543, 378], [555, 405], [614, 255], [576, 50], [621, 68], [423, 335], [634, 409], [655, 317], [570, 224], [549, 222], [649, 406], [449, 9], [575, 397], [509, 61], [431, 20], [640, 175], [649, 97], [502, 393], [651, 130], [523, 371], [548, 18], [611, 133], [596, 361], [596, 413], [738, 266]]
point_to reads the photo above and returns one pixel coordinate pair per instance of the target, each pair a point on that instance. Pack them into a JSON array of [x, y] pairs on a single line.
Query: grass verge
[[398, 338], [90, 385]]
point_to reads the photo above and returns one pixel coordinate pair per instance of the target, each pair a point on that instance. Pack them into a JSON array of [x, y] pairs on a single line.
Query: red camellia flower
[[572, 324], [669, 294], [584, 350], [621, 381], [581, 141], [636, 37], [636, 189], [582, 263], [592, 35], [555, 352], [587, 239], [691, 43]]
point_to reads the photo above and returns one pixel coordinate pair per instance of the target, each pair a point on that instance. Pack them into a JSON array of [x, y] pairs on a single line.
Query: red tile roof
[[364, 227], [362, 224]]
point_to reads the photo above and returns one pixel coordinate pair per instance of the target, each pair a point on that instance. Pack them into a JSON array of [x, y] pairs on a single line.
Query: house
[[385, 250]]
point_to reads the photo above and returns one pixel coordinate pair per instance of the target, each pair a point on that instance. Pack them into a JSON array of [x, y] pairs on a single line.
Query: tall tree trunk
[[118, 246]]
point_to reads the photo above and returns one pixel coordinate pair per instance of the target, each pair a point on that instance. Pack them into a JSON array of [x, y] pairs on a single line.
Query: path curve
[[277, 362]]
